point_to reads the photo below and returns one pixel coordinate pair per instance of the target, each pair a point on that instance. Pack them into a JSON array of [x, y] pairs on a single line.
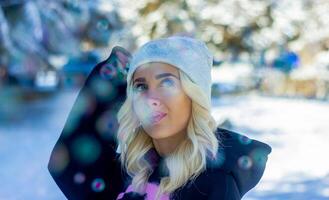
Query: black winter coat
[[85, 165]]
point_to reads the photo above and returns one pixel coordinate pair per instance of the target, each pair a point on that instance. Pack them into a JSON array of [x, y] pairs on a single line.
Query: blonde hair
[[187, 161]]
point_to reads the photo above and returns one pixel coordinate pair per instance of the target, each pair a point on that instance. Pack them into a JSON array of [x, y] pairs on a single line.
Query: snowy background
[[270, 79], [296, 129]]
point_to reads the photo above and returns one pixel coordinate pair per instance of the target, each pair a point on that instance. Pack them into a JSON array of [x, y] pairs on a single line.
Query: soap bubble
[[79, 178], [244, 140], [245, 162], [98, 185], [107, 125], [86, 149], [59, 159], [259, 156], [104, 90], [108, 71]]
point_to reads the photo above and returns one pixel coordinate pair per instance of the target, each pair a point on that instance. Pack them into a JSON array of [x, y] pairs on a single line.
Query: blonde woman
[[167, 143]]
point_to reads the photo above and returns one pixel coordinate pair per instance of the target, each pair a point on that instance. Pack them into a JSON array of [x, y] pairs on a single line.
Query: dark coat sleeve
[[244, 158], [84, 163], [224, 188]]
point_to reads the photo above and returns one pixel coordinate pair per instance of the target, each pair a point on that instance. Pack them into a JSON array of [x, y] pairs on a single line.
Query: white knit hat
[[187, 54]]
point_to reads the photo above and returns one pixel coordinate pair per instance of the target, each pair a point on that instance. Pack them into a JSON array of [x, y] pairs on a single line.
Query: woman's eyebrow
[[165, 75], [141, 79]]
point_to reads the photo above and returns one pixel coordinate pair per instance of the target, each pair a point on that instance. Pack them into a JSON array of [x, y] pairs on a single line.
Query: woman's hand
[[116, 66]]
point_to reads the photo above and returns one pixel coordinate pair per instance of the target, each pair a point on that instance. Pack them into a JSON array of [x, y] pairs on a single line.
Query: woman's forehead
[[154, 68]]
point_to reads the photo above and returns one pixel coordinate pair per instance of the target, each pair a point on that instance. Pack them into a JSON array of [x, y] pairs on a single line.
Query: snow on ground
[[296, 129], [298, 132], [25, 147]]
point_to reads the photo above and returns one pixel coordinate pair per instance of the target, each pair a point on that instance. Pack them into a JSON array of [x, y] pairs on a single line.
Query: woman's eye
[[140, 87], [167, 82]]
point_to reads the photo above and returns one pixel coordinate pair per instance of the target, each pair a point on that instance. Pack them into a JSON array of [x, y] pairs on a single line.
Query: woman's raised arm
[[84, 162]]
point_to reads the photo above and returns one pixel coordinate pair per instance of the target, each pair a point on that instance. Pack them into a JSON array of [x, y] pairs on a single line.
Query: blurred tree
[[232, 26], [33, 31]]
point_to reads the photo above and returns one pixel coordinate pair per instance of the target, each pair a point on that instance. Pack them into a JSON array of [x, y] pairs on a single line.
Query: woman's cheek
[[141, 108], [172, 92]]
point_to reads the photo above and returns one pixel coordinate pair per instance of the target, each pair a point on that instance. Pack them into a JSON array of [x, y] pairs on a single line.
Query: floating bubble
[[86, 149], [115, 69], [59, 159], [244, 140], [259, 156], [98, 185], [104, 90], [79, 178], [245, 162], [107, 125], [108, 71]]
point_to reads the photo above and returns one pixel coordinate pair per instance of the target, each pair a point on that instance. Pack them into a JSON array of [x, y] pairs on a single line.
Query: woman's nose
[[153, 102]]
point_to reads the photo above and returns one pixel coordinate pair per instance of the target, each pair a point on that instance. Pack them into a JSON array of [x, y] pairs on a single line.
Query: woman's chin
[[157, 134]]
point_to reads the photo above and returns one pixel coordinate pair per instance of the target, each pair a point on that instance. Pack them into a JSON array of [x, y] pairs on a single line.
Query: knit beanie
[[187, 54]]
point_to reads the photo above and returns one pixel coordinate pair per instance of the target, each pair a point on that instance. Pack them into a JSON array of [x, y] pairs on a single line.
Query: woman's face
[[159, 101]]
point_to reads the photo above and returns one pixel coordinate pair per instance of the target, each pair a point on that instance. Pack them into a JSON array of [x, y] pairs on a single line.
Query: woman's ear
[[116, 65]]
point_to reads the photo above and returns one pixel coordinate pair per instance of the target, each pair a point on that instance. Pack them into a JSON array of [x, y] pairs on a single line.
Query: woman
[[168, 143]]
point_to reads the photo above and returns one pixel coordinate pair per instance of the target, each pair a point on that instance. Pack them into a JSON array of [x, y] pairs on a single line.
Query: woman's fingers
[[117, 64]]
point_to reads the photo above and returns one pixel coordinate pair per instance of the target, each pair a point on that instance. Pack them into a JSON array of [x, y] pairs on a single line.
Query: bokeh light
[[245, 162], [59, 159], [86, 149], [107, 125], [258, 157], [98, 185], [244, 140], [104, 90], [79, 178], [108, 71]]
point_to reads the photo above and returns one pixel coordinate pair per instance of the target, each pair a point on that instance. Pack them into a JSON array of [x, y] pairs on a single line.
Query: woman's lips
[[157, 117]]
